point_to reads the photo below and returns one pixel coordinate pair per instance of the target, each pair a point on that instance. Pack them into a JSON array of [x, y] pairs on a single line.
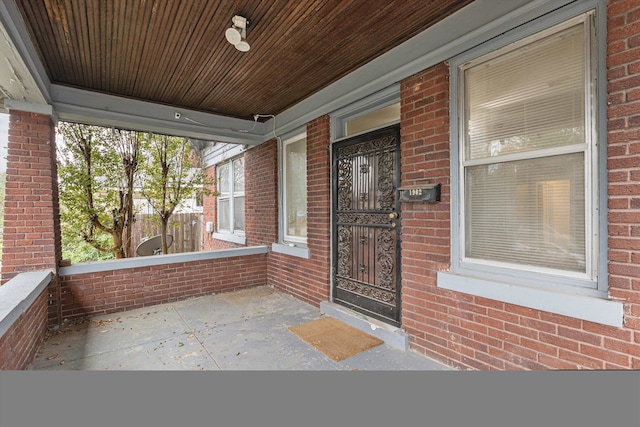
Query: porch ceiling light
[[237, 34]]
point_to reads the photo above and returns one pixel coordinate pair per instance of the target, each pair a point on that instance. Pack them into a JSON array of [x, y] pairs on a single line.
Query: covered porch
[[246, 330], [484, 307]]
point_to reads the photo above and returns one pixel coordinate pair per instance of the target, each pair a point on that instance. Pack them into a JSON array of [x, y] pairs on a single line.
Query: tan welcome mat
[[334, 338]]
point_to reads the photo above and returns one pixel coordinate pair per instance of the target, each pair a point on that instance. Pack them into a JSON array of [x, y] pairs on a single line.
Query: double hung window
[[527, 224], [527, 158], [231, 196]]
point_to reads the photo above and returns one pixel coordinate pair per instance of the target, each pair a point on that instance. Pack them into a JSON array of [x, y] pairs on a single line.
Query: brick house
[[475, 193]]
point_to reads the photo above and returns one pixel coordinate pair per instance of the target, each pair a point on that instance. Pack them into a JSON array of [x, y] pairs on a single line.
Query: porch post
[[31, 215]]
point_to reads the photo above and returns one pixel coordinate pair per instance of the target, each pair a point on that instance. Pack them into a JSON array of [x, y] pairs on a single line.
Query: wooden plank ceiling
[[174, 52]]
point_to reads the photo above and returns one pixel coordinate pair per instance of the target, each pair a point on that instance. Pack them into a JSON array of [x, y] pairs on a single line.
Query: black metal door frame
[[353, 225]]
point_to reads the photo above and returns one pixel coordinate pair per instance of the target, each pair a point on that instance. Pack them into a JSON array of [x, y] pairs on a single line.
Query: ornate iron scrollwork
[[345, 184], [385, 181], [366, 275], [368, 291], [363, 218], [385, 143], [344, 251], [386, 246]]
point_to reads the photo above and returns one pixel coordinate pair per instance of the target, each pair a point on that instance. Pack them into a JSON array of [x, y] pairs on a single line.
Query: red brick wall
[[261, 194], [19, 344], [120, 290], [623, 64], [31, 214], [474, 332], [308, 279], [210, 214]]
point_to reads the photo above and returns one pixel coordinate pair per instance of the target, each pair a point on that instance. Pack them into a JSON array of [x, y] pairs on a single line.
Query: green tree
[[171, 175], [97, 169]]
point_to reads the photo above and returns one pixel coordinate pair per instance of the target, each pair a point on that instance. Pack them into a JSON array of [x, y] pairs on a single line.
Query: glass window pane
[[223, 179], [296, 188], [238, 213], [527, 99], [374, 119], [529, 212], [223, 215], [238, 175]]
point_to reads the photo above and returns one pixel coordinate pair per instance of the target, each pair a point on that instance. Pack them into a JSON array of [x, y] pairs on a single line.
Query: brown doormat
[[334, 338]]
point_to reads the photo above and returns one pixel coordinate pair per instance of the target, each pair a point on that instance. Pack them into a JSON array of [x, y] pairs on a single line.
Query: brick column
[[261, 194], [210, 212], [623, 163], [31, 214]]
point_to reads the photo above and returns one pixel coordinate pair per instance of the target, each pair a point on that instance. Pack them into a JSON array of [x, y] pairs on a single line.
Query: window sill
[[583, 307], [295, 251], [233, 238]]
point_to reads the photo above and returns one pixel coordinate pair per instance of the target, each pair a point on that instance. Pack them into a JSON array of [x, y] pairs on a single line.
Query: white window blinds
[[526, 152]]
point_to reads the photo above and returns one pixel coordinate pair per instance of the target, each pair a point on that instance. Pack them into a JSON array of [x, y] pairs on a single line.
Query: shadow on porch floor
[[242, 330]]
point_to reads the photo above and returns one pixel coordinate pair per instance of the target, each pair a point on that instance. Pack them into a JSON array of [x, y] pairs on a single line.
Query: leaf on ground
[[53, 356]]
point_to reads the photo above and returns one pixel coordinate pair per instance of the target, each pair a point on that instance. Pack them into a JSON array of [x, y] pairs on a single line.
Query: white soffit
[[16, 83]]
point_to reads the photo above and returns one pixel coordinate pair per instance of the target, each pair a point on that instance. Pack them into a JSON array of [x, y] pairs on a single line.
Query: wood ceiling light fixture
[[237, 34]]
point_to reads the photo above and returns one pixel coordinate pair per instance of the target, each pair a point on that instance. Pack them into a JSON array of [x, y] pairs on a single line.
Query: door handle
[[393, 215]]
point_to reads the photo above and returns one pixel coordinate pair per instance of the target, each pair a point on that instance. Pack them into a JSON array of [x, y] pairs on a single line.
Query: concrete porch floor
[[241, 330]]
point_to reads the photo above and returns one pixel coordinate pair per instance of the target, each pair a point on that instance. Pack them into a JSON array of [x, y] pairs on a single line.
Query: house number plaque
[[422, 193]]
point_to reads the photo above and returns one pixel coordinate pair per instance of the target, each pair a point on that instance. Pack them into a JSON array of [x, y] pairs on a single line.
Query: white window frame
[[589, 278], [580, 296], [284, 236], [375, 102], [231, 234], [289, 245]]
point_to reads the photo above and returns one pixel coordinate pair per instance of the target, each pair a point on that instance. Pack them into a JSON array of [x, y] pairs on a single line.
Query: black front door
[[366, 233]]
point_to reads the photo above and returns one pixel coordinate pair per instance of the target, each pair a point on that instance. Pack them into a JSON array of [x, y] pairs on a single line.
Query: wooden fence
[[186, 229]]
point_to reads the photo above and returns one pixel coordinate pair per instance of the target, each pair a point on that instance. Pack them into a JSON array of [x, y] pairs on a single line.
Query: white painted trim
[[592, 309], [18, 294], [376, 101], [11, 20], [229, 237], [283, 185], [122, 264], [222, 153], [30, 107], [296, 251], [77, 105]]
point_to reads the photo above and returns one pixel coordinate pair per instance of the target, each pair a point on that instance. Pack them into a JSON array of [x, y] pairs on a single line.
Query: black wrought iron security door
[[366, 235]]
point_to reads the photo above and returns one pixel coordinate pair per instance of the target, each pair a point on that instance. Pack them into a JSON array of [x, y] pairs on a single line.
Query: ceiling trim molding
[[82, 106], [30, 107]]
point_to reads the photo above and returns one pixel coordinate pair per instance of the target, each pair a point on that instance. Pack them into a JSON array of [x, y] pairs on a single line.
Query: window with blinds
[[231, 196], [294, 176], [527, 152]]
